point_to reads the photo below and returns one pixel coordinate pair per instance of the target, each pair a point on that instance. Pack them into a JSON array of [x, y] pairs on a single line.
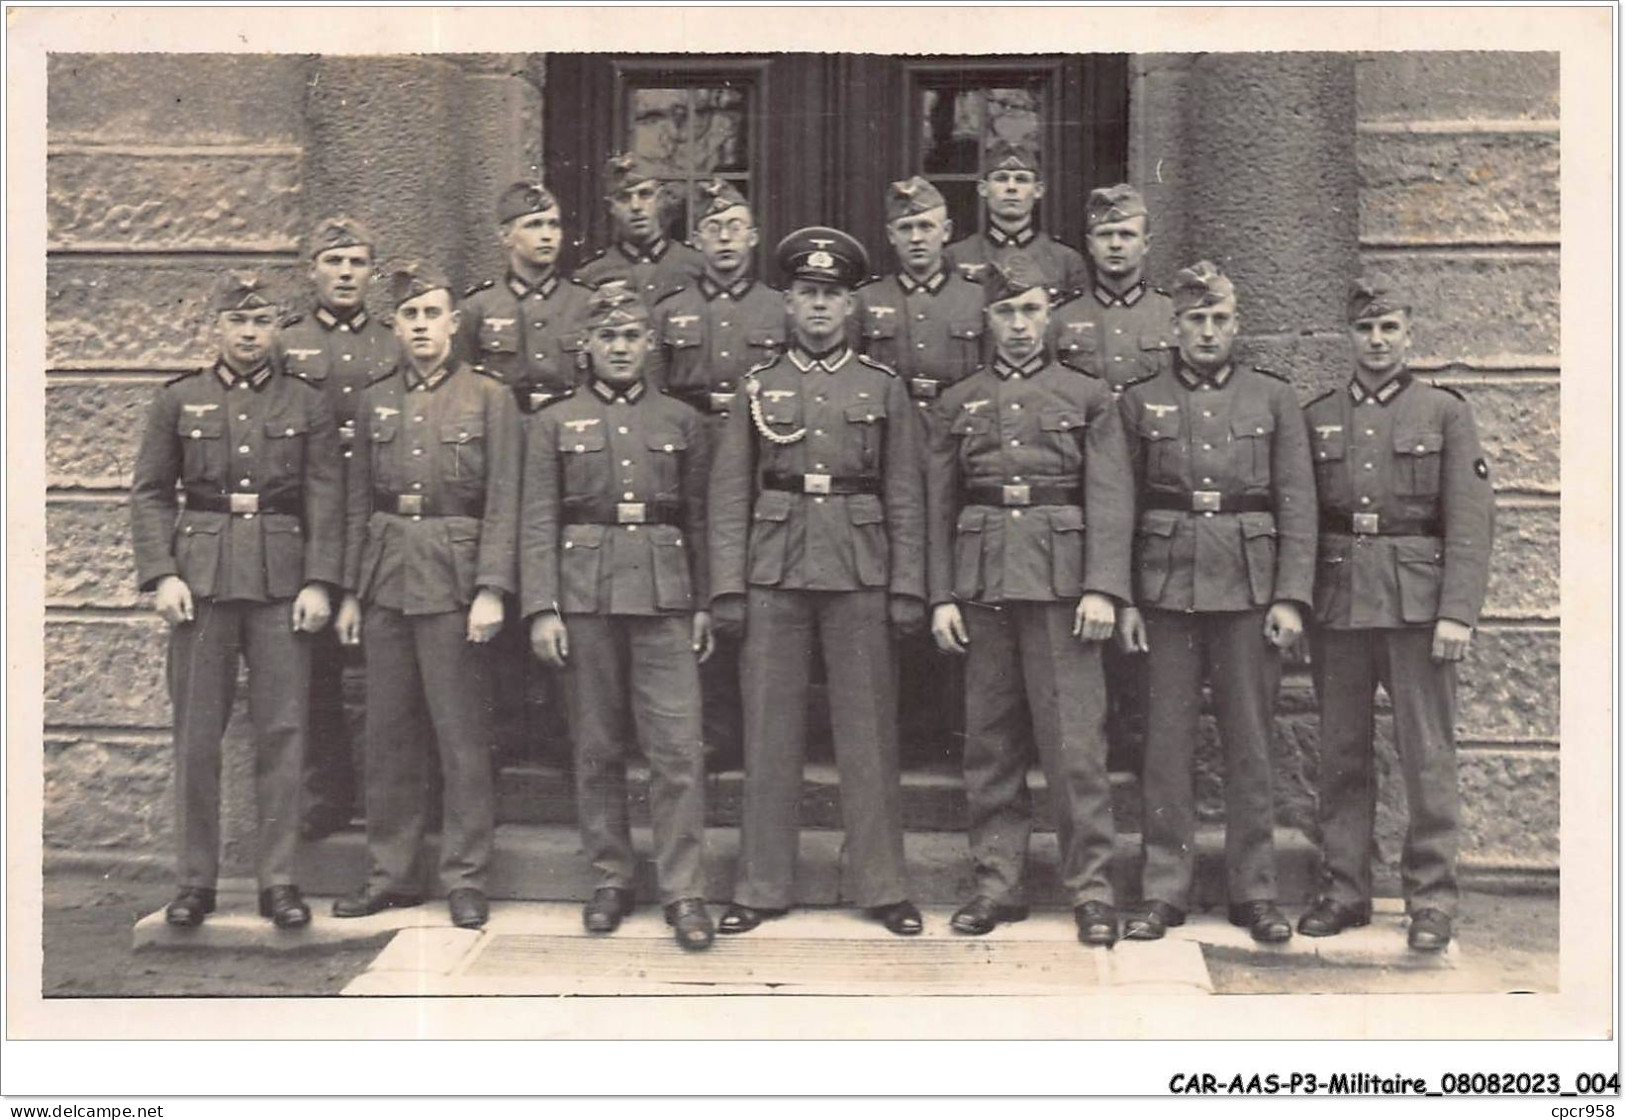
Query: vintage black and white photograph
[[1062, 523]]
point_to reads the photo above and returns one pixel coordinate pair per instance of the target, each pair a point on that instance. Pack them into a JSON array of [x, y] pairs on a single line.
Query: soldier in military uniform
[[1224, 562], [338, 346], [432, 516], [1030, 512], [652, 264], [1406, 522], [1012, 183], [817, 540], [243, 571], [708, 335], [612, 567]]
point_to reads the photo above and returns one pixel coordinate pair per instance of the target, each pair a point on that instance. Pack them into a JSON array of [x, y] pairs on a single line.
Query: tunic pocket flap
[[1418, 443], [1150, 341], [1257, 525], [287, 428], [211, 425], [1330, 444], [587, 439], [864, 509], [879, 326], [970, 424], [283, 526], [1066, 519], [583, 536], [769, 336], [499, 336], [667, 441], [1061, 420], [865, 413], [1417, 552], [1080, 336], [1159, 522], [681, 338], [1252, 427], [197, 522], [967, 328], [462, 431], [971, 520], [773, 505]]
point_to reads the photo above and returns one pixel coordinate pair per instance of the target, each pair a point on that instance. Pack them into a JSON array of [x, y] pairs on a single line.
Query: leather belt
[[244, 504], [925, 388], [419, 505], [1021, 495], [625, 513], [821, 483], [718, 400], [1208, 501], [1370, 525]]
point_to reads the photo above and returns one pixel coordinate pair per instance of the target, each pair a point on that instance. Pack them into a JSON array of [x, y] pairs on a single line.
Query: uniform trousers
[[930, 698], [1348, 666], [1244, 671], [203, 664], [330, 760], [851, 630], [427, 656], [1125, 708], [721, 711], [647, 660], [1023, 656]]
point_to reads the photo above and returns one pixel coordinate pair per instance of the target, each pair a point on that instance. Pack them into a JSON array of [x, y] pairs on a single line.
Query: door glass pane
[[690, 131], [956, 124]]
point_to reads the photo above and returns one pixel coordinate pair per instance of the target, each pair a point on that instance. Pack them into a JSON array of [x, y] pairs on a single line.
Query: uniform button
[[540, 357], [631, 528], [1322, 454], [417, 486], [347, 357], [348, 389], [1017, 478], [818, 501], [1207, 513], [248, 517], [919, 346], [417, 419], [1207, 413], [667, 447], [197, 433], [539, 324], [188, 530], [724, 323], [417, 517], [289, 432], [1117, 330], [628, 496], [580, 447], [818, 466], [417, 451], [819, 398], [1117, 357], [1421, 447], [1207, 482], [622, 429], [1207, 447], [1016, 513], [245, 482], [242, 416], [818, 431], [1365, 500], [1015, 443], [1015, 406], [724, 353], [569, 544], [244, 449], [1371, 431], [1367, 466], [626, 462]]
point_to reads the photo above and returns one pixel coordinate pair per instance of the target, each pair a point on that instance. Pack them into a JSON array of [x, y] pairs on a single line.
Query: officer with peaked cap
[[613, 579], [1407, 516], [1011, 185], [1029, 515], [817, 541], [708, 335], [641, 253], [1223, 562], [339, 346], [242, 571], [431, 523]]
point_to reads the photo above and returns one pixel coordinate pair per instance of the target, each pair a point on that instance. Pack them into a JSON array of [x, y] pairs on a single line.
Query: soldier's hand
[[948, 628], [549, 640], [1095, 618], [703, 642], [174, 601], [1131, 637], [1451, 639], [907, 614], [1283, 625], [728, 614], [485, 616], [347, 624], [311, 608]]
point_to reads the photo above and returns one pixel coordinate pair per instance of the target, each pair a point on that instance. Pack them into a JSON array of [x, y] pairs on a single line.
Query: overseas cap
[[524, 198], [413, 278], [1113, 204], [1010, 155], [911, 196], [1019, 273], [1201, 285], [822, 253], [628, 170], [614, 304], [241, 291], [338, 232], [1371, 298], [717, 195]]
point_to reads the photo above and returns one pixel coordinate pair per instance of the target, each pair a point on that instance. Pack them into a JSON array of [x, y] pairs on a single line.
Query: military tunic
[[930, 331], [653, 272], [613, 537], [1119, 338], [1407, 520], [339, 355], [1063, 266], [432, 517], [1226, 528], [819, 524], [528, 336], [258, 460], [1029, 507]]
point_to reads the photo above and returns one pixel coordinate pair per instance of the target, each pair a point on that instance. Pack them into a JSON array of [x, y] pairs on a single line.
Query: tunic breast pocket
[[968, 553], [382, 443], [462, 443], [285, 445], [202, 439], [1156, 354], [1329, 449], [499, 336], [781, 409], [1164, 452], [868, 423], [306, 363], [666, 450], [573, 345], [1417, 455], [870, 548], [1066, 551], [975, 435], [966, 336], [1420, 576], [1078, 345], [765, 341], [1063, 428], [1252, 436]]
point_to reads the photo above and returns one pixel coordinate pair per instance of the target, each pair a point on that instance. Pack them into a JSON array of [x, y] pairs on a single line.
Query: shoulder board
[[301, 378], [1086, 373], [1127, 385], [766, 363], [1162, 292], [596, 256], [675, 291], [1448, 389], [545, 399], [580, 283], [492, 374], [881, 366], [182, 377], [1066, 296], [1323, 396], [1270, 373], [480, 287], [864, 283], [382, 375], [292, 319], [387, 322]]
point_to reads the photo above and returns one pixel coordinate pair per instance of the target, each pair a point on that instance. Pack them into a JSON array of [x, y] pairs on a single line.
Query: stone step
[[933, 798], [544, 862]]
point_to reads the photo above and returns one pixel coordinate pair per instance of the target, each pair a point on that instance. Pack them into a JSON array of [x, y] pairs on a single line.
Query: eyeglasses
[[733, 227]]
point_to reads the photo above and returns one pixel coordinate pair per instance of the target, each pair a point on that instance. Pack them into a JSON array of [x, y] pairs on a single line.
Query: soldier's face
[[617, 351], [818, 310], [1011, 194], [534, 239], [726, 238], [1118, 248], [245, 337], [635, 210], [1018, 324], [919, 239], [425, 325], [341, 276], [1207, 334], [1382, 342]]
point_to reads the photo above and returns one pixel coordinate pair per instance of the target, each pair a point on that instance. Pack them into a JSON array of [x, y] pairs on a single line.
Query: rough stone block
[[1456, 187], [1520, 427], [1509, 685], [1509, 806], [176, 98], [1524, 566], [93, 430], [1457, 85], [106, 672], [138, 313], [500, 107], [1480, 303], [164, 198], [1312, 362], [89, 560], [103, 794]]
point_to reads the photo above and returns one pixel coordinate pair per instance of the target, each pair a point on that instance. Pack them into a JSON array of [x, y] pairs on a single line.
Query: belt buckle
[[347, 432], [925, 388], [409, 505], [1017, 495], [1207, 501], [815, 483], [631, 513], [1364, 524], [245, 503], [721, 402]]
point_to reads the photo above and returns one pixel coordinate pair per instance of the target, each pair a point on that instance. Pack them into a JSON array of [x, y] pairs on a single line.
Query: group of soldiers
[[674, 483]]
